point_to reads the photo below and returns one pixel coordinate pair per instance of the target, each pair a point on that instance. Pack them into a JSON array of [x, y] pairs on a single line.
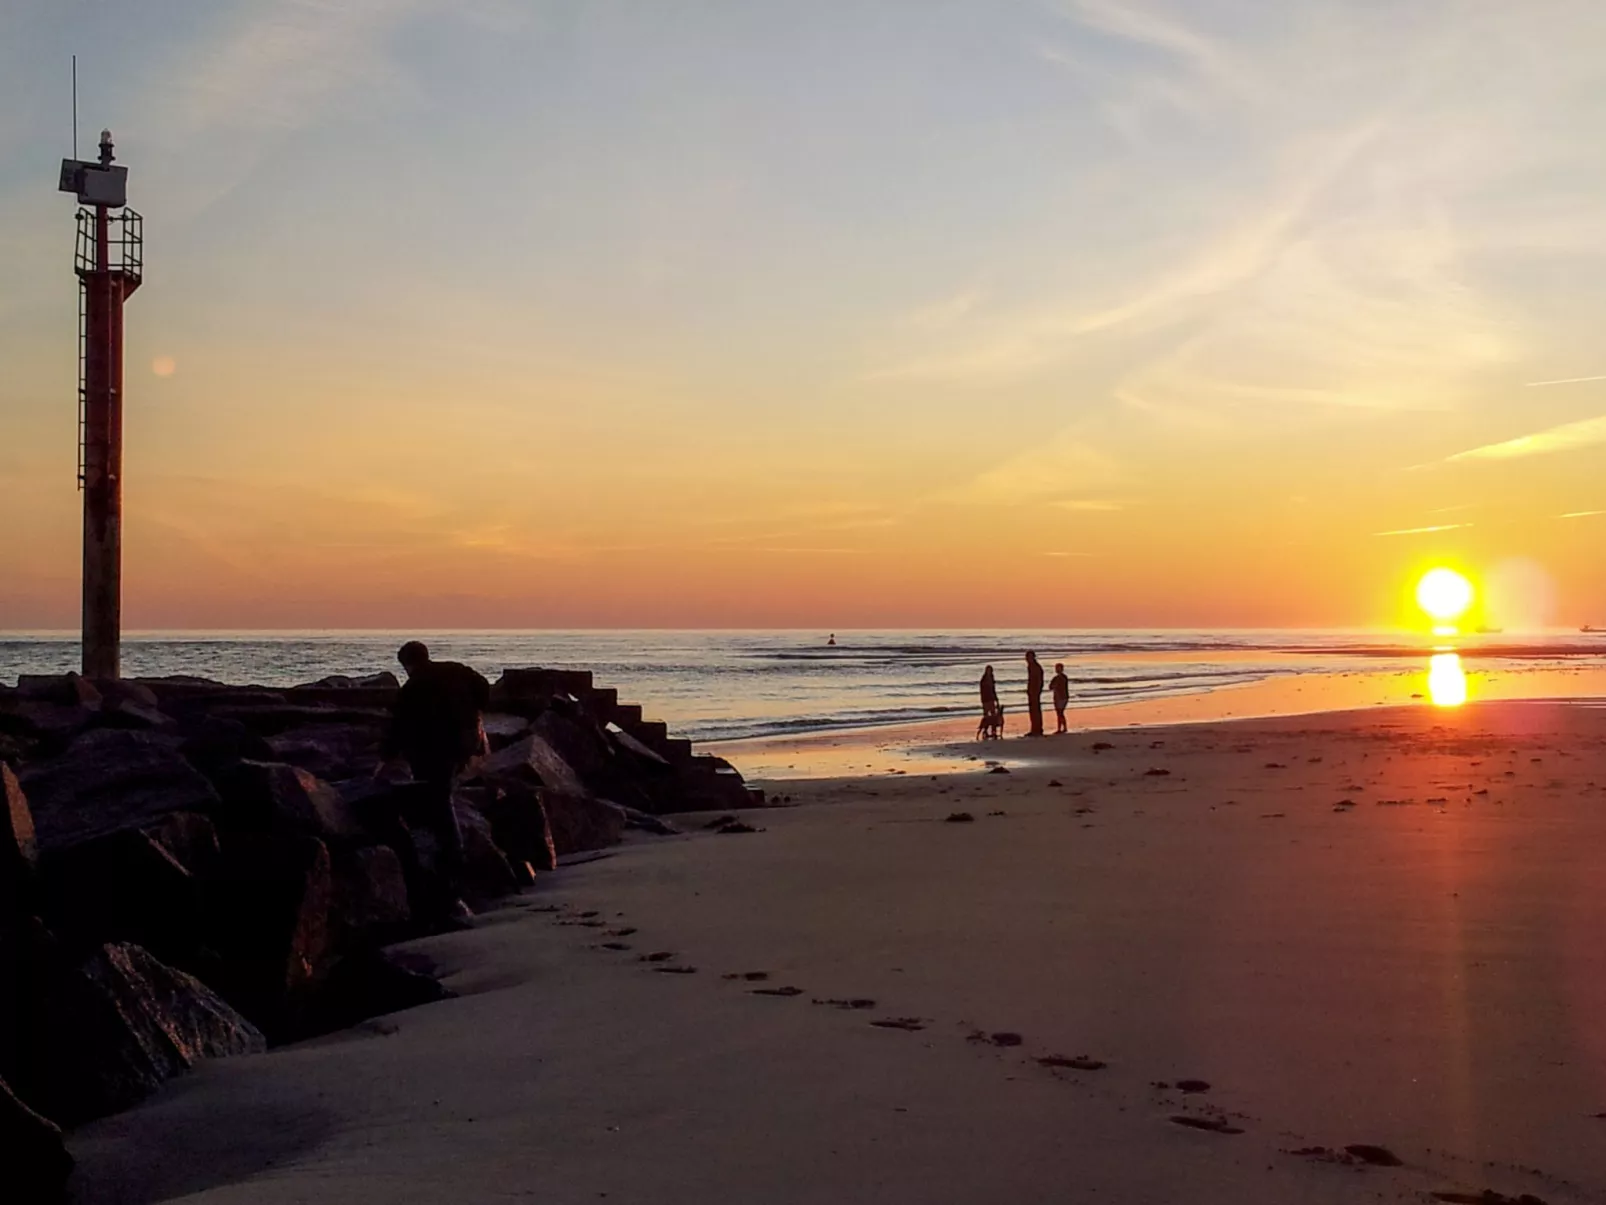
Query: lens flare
[[1447, 681], [1444, 594]]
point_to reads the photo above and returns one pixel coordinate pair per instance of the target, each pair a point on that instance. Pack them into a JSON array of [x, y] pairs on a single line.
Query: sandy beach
[[1183, 963]]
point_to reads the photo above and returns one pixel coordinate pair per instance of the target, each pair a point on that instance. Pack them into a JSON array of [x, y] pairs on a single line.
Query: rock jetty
[[190, 869]]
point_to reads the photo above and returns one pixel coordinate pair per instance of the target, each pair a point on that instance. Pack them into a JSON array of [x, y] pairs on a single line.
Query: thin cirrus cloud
[[1581, 514], [1422, 531], [1564, 381], [1584, 433]]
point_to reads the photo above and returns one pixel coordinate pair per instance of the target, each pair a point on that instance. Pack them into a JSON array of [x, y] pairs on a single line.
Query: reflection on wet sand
[[1447, 681]]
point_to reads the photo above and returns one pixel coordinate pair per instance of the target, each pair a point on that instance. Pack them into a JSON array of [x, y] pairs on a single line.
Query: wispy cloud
[[1581, 514], [276, 65], [1582, 434], [1564, 381], [1091, 504], [1062, 470], [1146, 27], [1421, 531]]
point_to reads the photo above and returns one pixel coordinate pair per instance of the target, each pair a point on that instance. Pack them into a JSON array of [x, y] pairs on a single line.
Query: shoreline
[[935, 745], [1210, 962]]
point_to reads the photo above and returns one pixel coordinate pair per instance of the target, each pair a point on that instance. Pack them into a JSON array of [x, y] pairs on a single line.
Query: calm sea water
[[711, 685]]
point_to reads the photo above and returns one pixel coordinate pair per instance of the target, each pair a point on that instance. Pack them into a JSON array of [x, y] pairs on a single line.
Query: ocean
[[739, 684]]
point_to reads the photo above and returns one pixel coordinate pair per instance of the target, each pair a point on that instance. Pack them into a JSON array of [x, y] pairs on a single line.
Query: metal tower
[[109, 263]]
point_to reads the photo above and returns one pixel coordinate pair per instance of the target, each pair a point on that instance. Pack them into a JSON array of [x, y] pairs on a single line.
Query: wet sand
[[1197, 965]]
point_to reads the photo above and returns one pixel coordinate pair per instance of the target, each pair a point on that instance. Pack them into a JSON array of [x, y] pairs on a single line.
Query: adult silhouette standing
[[1034, 694], [436, 729]]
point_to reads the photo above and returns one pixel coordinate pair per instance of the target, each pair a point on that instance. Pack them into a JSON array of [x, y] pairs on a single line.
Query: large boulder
[[19, 853], [371, 902], [268, 906], [383, 680], [331, 751], [582, 822], [216, 744], [108, 780], [122, 1023], [519, 824], [34, 1163], [486, 873], [533, 760], [585, 745], [276, 797], [64, 690], [190, 837], [123, 886]]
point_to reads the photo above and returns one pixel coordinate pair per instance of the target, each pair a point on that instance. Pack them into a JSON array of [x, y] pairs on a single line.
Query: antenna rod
[[75, 106]]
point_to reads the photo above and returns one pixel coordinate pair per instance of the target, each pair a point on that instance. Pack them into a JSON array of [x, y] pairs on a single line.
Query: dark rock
[[189, 837], [649, 757], [959, 818], [372, 983], [486, 874], [19, 853], [579, 822], [532, 759], [122, 887], [273, 719], [108, 780], [217, 744], [502, 730], [268, 904], [123, 1023], [30, 959], [384, 680], [121, 690], [64, 690], [519, 824], [331, 751], [371, 903], [54, 723], [127, 713], [648, 823], [34, 1163], [279, 798]]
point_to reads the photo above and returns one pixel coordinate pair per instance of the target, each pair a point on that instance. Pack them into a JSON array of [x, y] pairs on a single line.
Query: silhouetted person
[[1059, 689], [832, 641], [436, 729], [991, 714], [1034, 694]]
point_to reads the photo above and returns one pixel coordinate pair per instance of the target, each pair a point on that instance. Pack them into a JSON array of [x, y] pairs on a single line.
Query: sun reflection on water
[[1447, 681]]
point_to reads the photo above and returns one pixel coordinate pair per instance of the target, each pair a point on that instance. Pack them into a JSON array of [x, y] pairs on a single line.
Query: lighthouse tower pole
[[109, 263]]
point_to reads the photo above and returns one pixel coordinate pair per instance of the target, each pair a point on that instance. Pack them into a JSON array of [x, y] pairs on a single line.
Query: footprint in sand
[[676, 970], [908, 1024], [1214, 1125], [1157, 773], [614, 945], [959, 818], [994, 1039], [625, 932], [658, 956], [1376, 1156], [1192, 1085], [857, 1002], [1080, 1063], [750, 976], [777, 991], [1487, 1197]]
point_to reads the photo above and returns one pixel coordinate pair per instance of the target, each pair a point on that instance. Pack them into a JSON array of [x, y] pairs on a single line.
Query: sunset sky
[[472, 313]]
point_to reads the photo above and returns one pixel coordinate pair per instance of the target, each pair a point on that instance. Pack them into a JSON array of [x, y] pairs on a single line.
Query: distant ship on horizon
[[1588, 628]]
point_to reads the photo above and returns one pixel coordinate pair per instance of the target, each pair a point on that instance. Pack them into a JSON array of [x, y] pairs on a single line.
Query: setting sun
[[1444, 594]]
